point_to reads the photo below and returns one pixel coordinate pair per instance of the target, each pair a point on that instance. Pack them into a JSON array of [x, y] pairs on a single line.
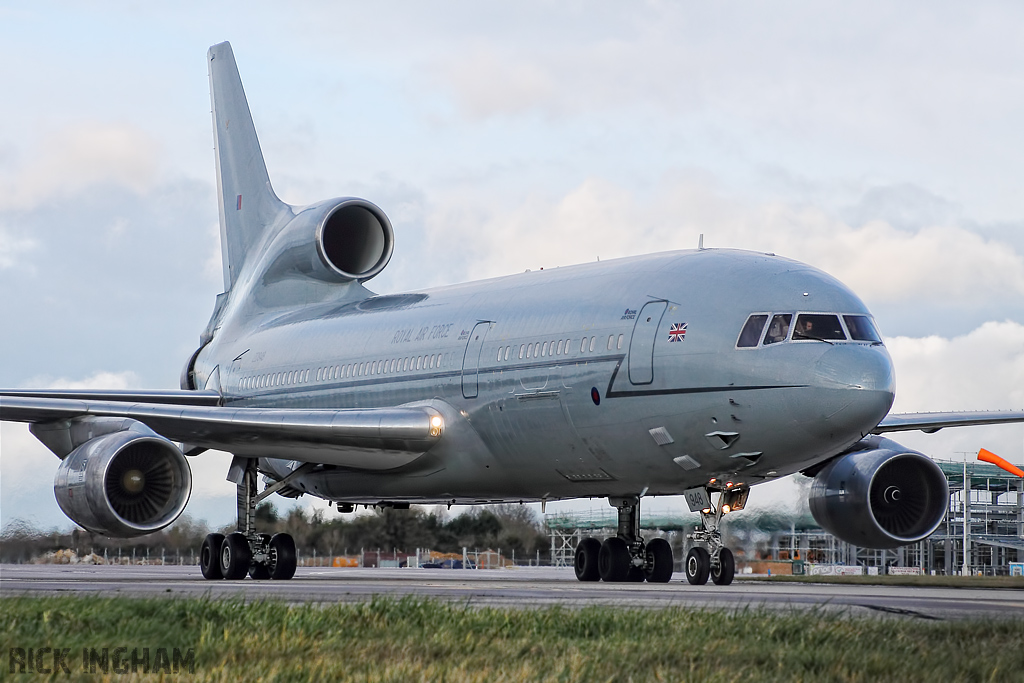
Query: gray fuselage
[[638, 366]]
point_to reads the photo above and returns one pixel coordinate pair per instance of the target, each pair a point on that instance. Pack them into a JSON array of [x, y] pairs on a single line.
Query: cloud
[[598, 218], [487, 84], [12, 247], [982, 369], [81, 156]]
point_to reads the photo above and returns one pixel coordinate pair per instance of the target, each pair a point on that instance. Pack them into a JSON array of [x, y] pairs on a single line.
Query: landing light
[[726, 509], [712, 480], [435, 425], [706, 511]]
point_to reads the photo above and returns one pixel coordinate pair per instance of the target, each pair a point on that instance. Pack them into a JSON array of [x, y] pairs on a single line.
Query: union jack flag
[[677, 332]]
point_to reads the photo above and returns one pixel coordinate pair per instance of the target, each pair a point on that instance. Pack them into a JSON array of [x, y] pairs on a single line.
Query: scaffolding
[[993, 505]]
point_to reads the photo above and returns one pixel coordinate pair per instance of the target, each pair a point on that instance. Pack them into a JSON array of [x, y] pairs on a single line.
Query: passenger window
[[544, 350], [499, 353], [778, 328], [618, 345], [522, 350], [592, 340], [862, 328], [529, 350], [583, 345], [508, 351], [611, 341], [751, 333], [818, 326]]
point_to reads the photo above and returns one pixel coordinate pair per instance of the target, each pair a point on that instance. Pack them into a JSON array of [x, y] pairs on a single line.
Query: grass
[[424, 640], [897, 580]]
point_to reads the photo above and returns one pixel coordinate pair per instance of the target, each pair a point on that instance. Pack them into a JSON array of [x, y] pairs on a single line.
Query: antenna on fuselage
[[700, 242]]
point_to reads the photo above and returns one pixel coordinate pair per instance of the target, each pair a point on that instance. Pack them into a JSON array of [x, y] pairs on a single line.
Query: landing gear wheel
[[586, 560], [658, 561], [209, 556], [235, 556], [698, 566], [726, 569], [282, 560], [259, 571], [613, 560]]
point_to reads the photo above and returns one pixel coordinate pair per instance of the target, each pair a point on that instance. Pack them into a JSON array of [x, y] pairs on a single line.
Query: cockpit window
[[751, 333], [778, 329], [862, 328], [818, 326]]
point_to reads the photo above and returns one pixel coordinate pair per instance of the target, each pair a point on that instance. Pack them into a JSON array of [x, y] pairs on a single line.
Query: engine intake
[[124, 484], [883, 496], [355, 239]]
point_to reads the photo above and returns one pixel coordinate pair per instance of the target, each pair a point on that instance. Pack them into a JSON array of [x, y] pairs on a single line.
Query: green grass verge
[[423, 640], [896, 580]]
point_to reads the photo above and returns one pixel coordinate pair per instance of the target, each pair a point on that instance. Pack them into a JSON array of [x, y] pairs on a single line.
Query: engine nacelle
[[883, 496], [124, 484], [355, 239]]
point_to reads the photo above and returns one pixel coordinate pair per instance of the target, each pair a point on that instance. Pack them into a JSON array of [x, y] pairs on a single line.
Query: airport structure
[[994, 536]]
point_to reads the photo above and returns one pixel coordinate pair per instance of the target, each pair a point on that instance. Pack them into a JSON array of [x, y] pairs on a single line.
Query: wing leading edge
[[933, 422], [371, 438]]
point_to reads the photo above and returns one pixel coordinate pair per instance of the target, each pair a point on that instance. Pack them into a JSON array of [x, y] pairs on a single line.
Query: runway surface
[[520, 587]]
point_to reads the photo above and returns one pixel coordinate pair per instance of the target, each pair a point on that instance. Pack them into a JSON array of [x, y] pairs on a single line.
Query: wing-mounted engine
[[880, 496], [123, 483]]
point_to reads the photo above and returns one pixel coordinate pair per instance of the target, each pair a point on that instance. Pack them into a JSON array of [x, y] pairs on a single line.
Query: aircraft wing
[[370, 438], [933, 422]]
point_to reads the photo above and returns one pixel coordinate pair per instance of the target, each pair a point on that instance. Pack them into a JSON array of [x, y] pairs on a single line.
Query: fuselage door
[[471, 361], [641, 344]]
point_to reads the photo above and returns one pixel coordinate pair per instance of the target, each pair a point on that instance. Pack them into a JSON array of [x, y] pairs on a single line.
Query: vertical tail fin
[[247, 203]]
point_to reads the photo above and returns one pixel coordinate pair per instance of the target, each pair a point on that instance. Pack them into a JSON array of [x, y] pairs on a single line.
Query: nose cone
[[855, 386]]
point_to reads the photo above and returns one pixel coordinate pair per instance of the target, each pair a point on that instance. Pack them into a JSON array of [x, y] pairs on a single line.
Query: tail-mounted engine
[[125, 483], [334, 241], [881, 496], [355, 239]]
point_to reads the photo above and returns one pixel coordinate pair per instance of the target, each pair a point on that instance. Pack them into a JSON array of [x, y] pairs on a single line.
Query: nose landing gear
[[708, 557], [625, 557], [244, 551]]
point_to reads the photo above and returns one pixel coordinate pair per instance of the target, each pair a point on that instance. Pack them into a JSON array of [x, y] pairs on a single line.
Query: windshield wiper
[[804, 335]]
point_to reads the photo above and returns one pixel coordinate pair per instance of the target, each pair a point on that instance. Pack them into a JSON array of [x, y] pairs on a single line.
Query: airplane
[[699, 373]]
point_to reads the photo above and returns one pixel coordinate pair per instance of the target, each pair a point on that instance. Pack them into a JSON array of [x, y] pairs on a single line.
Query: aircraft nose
[[856, 386]]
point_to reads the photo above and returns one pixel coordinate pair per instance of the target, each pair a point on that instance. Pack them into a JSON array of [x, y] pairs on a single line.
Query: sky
[[879, 143]]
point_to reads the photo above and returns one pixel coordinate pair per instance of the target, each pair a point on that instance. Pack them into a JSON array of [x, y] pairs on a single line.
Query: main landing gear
[[244, 551], [625, 556], [708, 557]]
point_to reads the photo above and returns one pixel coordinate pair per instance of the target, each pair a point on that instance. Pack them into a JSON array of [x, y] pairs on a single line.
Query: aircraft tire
[[659, 561], [698, 566], [613, 560], [722, 576], [235, 556], [259, 571], [209, 557], [585, 561], [283, 560]]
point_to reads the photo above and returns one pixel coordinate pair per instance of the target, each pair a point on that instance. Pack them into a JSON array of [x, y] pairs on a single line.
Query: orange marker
[[989, 456]]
